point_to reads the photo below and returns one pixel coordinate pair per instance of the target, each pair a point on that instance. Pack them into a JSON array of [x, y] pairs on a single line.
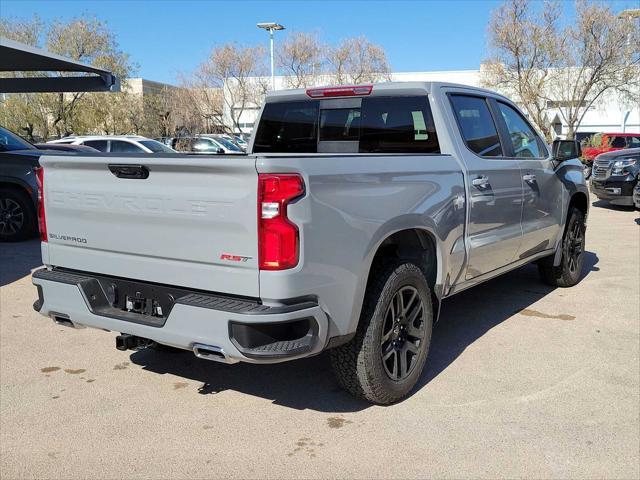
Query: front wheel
[[385, 359], [568, 273]]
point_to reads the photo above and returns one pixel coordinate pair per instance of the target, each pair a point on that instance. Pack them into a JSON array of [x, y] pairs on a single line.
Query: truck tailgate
[[192, 222]]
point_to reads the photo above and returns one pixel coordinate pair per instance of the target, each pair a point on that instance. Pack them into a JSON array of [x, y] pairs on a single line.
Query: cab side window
[[205, 145], [476, 125], [618, 142], [397, 124], [633, 142], [118, 146], [524, 140], [100, 145]]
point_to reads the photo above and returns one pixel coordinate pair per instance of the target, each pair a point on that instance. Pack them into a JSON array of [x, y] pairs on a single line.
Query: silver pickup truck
[[356, 212]]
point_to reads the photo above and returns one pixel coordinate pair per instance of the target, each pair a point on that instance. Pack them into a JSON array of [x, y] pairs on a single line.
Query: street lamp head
[[270, 26]]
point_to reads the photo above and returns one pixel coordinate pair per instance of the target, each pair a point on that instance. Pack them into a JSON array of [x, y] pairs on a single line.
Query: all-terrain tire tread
[[348, 361], [558, 276]]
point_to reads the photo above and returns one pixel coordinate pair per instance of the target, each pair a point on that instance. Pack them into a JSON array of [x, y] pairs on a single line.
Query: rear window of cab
[[392, 124]]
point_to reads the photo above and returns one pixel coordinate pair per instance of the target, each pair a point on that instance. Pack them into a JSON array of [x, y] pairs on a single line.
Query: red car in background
[[610, 142], [606, 142]]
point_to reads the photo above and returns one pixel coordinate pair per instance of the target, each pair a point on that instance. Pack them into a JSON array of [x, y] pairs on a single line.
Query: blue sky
[[169, 37]]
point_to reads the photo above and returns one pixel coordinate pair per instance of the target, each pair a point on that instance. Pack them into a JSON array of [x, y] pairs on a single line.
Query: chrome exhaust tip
[[211, 352]]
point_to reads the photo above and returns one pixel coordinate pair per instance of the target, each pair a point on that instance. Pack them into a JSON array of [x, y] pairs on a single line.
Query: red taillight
[[278, 239], [341, 91], [42, 218]]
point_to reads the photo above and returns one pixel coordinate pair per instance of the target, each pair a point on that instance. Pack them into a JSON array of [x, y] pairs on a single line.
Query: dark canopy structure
[[18, 57]]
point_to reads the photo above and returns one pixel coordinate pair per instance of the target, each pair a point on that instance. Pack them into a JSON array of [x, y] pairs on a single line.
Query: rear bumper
[[243, 329], [616, 192]]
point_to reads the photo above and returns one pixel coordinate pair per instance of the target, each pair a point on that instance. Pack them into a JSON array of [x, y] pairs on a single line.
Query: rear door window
[[119, 146], [633, 142], [618, 142], [397, 124], [100, 145], [476, 124], [205, 145]]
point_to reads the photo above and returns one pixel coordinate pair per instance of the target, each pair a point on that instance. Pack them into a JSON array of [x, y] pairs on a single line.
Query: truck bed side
[[354, 202]]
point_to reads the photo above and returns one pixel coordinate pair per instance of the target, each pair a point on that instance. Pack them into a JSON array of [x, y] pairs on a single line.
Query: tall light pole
[[270, 27]]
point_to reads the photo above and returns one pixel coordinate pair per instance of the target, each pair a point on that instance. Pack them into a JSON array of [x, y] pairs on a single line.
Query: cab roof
[[375, 89]]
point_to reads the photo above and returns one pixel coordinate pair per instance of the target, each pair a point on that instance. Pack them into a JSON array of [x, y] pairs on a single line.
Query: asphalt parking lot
[[522, 381]]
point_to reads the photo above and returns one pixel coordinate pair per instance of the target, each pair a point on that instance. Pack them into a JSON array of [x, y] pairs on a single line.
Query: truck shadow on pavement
[[17, 259], [309, 383]]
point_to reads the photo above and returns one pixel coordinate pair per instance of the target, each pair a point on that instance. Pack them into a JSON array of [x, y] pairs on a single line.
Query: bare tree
[[201, 104], [301, 59], [600, 53], [25, 114], [565, 69], [24, 31], [86, 40], [226, 81], [523, 55], [356, 60], [160, 110]]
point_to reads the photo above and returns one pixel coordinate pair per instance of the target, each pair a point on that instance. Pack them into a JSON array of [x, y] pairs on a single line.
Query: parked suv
[[606, 142], [615, 175], [117, 143], [357, 212]]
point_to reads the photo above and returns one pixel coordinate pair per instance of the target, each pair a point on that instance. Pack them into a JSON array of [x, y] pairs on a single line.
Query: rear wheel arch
[[21, 188], [16, 185], [416, 245], [578, 200]]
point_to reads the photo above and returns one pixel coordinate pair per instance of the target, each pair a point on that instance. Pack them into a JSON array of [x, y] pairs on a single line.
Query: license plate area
[[143, 306], [137, 302]]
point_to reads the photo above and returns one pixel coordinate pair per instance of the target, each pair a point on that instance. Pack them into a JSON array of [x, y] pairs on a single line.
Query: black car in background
[[615, 175], [18, 185]]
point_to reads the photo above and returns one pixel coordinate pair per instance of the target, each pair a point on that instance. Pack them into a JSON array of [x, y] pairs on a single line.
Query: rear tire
[[569, 272], [385, 359], [17, 216]]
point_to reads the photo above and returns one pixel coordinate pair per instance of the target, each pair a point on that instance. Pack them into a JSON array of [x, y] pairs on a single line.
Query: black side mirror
[[566, 150]]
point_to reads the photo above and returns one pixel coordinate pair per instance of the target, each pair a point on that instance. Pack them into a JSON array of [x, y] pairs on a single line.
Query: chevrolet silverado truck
[[615, 175], [358, 210]]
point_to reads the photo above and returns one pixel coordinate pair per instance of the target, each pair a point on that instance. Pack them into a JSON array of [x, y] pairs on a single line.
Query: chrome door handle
[[481, 182], [529, 178]]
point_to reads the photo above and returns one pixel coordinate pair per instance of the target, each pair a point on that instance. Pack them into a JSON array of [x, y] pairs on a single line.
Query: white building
[[608, 114]]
